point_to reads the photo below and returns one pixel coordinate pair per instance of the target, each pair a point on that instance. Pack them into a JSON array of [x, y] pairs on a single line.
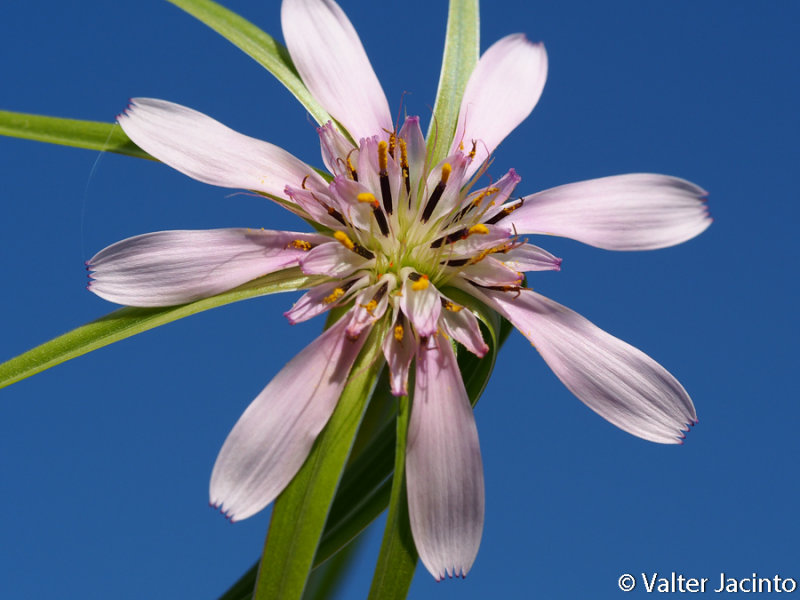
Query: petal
[[460, 324], [421, 305], [331, 259], [527, 257], [641, 211], [324, 297], [614, 379], [492, 272], [173, 267], [501, 92], [411, 133], [444, 472], [329, 56], [206, 150], [399, 348], [371, 304], [336, 149], [273, 437]]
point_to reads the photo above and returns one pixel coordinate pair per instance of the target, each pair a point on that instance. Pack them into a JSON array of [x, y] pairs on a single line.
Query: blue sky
[[105, 460]]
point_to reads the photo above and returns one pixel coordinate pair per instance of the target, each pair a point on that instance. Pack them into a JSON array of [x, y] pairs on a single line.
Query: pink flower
[[395, 230]]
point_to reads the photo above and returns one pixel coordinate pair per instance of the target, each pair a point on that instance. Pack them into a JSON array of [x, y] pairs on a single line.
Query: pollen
[[480, 228], [333, 296], [344, 240], [368, 198], [382, 159], [398, 333], [351, 168], [421, 284], [474, 149], [300, 245], [446, 170], [452, 306], [370, 306]]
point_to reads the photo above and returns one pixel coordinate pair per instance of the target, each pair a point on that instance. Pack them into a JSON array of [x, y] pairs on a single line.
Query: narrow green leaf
[[92, 135], [301, 511], [260, 46], [397, 559], [125, 322], [461, 50]]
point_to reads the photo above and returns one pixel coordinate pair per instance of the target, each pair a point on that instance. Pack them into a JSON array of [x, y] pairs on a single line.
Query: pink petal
[[208, 151], [336, 149], [331, 259], [399, 348], [640, 211], [323, 297], [329, 56], [614, 379], [173, 267], [421, 306], [492, 272], [528, 257], [444, 472], [501, 92], [272, 439], [460, 324]]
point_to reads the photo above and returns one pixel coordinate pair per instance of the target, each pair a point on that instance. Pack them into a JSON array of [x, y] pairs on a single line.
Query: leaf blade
[[129, 321], [461, 50], [91, 135]]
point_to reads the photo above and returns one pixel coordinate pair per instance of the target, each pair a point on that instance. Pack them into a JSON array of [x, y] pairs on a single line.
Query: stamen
[[437, 192], [451, 306], [300, 245], [449, 239], [368, 198], [383, 165], [421, 281], [370, 306], [333, 296], [350, 166], [392, 143], [404, 164], [480, 229], [474, 149], [398, 333], [505, 212], [344, 240]]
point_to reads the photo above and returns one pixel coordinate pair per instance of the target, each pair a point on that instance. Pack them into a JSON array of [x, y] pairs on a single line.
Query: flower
[[396, 232]]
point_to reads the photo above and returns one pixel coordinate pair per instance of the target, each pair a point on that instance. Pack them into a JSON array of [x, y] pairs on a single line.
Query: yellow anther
[[370, 306], [398, 333], [446, 170], [350, 167], [480, 228], [344, 240], [452, 306], [368, 198], [474, 149], [392, 144], [420, 284], [382, 158], [333, 296], [300, 245], [403, 153]]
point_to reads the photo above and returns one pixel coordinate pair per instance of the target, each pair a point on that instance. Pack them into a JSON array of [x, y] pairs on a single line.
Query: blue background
[[105, 460]]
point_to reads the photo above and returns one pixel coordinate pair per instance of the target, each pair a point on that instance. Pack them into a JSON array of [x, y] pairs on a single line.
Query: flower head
[[395, 235]]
